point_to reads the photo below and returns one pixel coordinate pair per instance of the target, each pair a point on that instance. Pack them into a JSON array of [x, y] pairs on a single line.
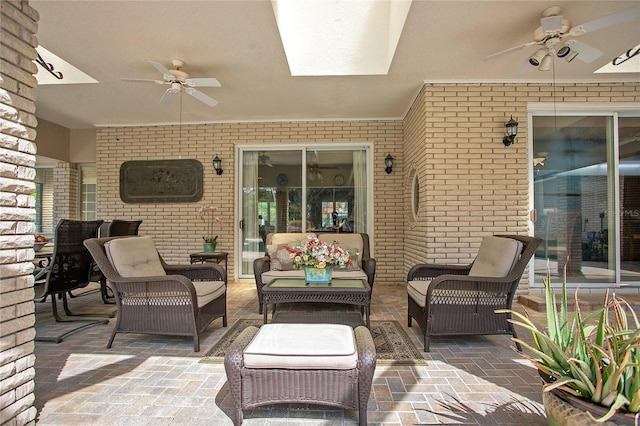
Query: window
[[308, 189], [87, 196], [44, 201], [585, 189]]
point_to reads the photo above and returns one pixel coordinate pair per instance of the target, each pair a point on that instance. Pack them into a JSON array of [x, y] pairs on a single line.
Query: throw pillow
[[355, 254], [280, 258]]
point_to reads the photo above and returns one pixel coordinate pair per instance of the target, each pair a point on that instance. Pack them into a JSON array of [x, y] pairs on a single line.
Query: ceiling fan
[[178, 81], [263, 160], [314, 169], [555, 36]]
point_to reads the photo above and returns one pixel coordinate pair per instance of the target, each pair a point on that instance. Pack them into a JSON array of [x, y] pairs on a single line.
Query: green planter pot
[[564, 409], [209, 247], [317, 275]]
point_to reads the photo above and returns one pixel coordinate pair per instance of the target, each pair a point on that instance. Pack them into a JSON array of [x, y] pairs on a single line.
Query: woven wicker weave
[[457, 304], [162, 304], [253, 387]]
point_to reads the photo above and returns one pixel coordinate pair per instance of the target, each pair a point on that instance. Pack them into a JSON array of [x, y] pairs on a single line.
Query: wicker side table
[[253, 387]]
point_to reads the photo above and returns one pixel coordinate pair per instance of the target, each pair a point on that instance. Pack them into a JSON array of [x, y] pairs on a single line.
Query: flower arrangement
[[207, 214], [318, 254]]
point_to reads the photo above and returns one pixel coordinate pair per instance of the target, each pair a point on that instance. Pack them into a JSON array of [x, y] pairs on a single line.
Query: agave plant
[[595, 357]]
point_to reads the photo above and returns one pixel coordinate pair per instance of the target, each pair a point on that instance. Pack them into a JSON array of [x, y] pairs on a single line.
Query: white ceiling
[[238, 43]]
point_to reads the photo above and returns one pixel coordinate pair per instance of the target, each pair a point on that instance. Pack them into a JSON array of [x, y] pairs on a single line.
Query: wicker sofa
[[268, 268]]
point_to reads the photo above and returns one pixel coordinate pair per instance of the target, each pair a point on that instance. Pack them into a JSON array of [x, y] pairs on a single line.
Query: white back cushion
[[350, 242], [284, 238], [496, 257], [134, 257]]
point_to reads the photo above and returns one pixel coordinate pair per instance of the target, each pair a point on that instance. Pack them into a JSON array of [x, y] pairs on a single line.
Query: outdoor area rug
[[393, 346]]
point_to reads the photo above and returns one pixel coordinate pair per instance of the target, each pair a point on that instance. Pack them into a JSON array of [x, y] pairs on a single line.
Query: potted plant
[[207, 214], [591, 362]]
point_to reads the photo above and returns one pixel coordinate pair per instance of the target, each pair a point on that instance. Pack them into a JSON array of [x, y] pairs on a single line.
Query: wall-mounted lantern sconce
[[512, 131], [388, 162], [217, 165]]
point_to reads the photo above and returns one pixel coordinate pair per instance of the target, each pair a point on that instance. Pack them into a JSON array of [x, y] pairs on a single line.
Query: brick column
[[65, 192], [18, 23]]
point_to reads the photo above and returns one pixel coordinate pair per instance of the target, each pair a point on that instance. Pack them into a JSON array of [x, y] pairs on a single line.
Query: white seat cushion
[[417, 290], [134, 257], [302, 346], [206, 291], [496, 257]]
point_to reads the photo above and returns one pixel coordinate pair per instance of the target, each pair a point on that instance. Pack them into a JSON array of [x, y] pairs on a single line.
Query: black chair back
[[71, 262], [119, 228]]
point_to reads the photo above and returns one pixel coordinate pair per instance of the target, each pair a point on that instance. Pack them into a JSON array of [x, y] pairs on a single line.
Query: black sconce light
[[388, 162], [217, 165], [512, 131]]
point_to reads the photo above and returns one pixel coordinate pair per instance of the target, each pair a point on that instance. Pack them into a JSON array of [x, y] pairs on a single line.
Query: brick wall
[[65, 192], [471, 185], [175, 226], [18, 22]]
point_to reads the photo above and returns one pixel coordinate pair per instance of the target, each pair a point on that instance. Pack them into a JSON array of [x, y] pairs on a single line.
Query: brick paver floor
[[157, 380]]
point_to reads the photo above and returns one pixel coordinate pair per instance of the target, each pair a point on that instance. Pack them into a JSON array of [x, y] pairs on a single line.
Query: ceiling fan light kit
[[545, 64], [555, 37], [562, 49], [537, 57], [179, 80]]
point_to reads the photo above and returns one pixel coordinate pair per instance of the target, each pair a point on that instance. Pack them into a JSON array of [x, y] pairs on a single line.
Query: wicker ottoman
[[299, 377]]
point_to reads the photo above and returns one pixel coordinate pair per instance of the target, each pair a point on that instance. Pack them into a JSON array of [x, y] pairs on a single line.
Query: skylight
[[70, 74], [340, 37], [626, 62]]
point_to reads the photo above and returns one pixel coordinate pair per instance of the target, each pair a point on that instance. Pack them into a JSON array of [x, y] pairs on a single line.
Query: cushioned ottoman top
[[302, 346]]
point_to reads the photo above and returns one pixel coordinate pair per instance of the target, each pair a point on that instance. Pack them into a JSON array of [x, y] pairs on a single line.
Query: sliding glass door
[[586, 197], [300, 189]]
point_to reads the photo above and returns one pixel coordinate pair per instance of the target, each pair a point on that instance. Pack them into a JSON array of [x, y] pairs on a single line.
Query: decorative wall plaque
[[161, 181]]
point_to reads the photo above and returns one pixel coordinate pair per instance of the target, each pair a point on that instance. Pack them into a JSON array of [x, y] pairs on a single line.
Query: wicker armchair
[[447, 300], [179, 300]]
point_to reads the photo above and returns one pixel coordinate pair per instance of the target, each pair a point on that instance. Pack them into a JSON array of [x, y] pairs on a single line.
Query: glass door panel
[[277, 196], [573, 178], [629, 154], [271, 199], [331, 181]]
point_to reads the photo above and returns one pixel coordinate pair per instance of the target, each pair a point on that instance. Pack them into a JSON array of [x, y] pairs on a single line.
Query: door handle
[[241, 224]]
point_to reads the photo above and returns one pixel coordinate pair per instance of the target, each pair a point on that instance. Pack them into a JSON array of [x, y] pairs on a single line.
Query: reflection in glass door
[[277, 196], [629, 154], [585, 197]]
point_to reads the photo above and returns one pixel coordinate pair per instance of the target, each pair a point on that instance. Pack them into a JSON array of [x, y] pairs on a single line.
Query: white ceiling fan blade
[[586, 53], [201, 96], [168, 96], [551, 24], [512, 49], [606, 21], [163, 70], [202, 82], [143, 80]]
